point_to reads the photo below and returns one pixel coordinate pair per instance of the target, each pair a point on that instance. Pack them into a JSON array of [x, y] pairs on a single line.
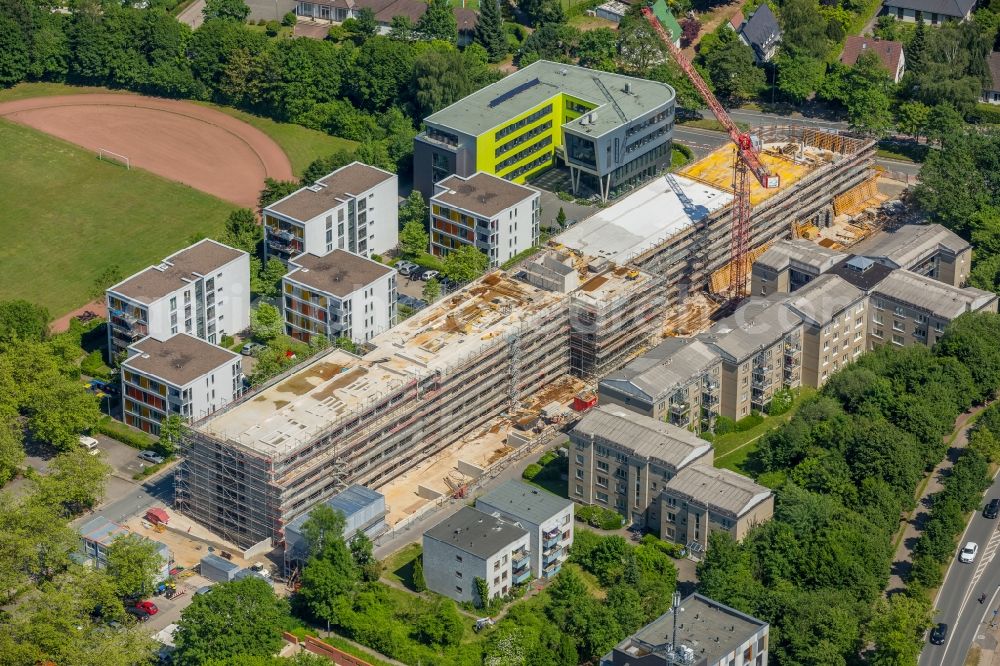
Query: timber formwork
[[687, 260], [246, 497]]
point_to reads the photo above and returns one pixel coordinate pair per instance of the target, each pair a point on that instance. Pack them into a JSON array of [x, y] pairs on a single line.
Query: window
[[579, 459], [458, 589], [458, 574], [671, 517], [579, 474], [579, 489], [897, 340], [601, 465], [602, 497], [496, 580], [496, 566], [458, 558], [876, 317], [897, 325], [602, 481]]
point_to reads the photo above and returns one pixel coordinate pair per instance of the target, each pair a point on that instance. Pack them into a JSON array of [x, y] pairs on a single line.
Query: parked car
[[992, 509], [204, 589], [969, 552], [147, 606], [406, 268], [939, 633], [151, 457], [139, 614], [428, 274], [250, 348], [90, 444]]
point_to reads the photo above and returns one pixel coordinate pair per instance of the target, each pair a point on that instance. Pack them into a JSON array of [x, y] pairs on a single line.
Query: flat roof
[[720, 489], [524, 502], [101, 530], [799, 252], [201, 259], [645, 218], [542, 80], [482, 194], [642, 435], [330, 191], [712, 630], [339, 273], [179, 360], [292, 411], [349, 501], [475, 532], [862, 272]]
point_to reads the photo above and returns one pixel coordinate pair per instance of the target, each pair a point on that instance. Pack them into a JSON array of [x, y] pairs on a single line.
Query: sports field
[[67, 216]]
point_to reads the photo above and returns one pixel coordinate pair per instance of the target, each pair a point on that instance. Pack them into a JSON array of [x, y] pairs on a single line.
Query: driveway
[[551, 204], [193, 14]]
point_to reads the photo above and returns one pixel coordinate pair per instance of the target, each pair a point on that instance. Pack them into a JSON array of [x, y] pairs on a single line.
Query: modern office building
[[338, 295], [548, 519], [203, 290], [610, 130], [493, 215], [471, 544], [622, 461], [354, 208], [180, 375], [704, 633]]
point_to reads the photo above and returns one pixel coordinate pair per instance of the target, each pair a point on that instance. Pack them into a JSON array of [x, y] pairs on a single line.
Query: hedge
[[985, 114], [597, 516], [116, 430], [531, 471]]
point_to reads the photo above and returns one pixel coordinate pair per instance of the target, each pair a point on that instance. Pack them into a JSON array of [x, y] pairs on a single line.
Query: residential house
[[97, 535], [338, 295], [669, 23], [354, 208], [471, 544], [927, 249], [704, 633], [622, 460], [702, 500], [338, 11], [181, 375], [548, 519], [493, 215], [762, 33], [202, 290], [889, 53], [991, 95], [934, 12], [678, 381], [789, 264]]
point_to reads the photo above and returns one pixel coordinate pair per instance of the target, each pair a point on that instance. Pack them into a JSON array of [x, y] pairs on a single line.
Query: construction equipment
[[746, 162]]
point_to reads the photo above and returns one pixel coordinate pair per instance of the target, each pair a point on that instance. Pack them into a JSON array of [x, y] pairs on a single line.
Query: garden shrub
[[531, 471], [781, 402], [724, 425]]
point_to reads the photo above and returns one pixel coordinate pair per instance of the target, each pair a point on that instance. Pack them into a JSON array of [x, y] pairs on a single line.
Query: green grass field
[[301, 144], [68, 216]]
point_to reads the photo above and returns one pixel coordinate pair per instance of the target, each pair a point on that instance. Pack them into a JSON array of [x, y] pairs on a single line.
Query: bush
[[121, 432], [684, 150], [288, 20], [272, 28], [531, 471], [674, 550], [780, 403], [724, 425], [597, 516], [227, 341], [93, 366], [548, 457], [748, 422], [985, 114]]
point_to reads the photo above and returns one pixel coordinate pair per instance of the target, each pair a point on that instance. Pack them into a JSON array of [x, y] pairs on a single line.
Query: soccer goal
[[106, 155]]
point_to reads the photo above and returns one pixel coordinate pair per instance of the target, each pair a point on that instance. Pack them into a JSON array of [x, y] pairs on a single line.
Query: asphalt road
[[159, 488], [703, 141], [958, 601]]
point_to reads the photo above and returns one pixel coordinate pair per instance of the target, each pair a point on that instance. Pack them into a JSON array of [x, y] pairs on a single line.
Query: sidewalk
[[902, 559]]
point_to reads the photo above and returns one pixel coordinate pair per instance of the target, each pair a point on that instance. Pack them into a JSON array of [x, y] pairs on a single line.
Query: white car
[[90, 444], [969, 553]]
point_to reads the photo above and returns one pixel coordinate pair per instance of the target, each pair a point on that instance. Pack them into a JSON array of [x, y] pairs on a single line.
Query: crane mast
[[747, 161]]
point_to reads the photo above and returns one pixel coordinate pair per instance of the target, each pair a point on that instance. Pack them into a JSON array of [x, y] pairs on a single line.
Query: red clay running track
[[191, 144]]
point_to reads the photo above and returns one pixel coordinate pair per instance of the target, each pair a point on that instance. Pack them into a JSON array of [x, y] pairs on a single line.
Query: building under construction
[[428, 382], [679, 226]]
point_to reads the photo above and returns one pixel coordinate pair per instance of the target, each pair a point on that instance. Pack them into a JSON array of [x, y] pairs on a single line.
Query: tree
[[540, 12], [916, 51], [75, 481], [490, 32], [897, 629], [11, 448], [943, 122], [268, 281], [598, 49], [266, 322], [239, 618], [242, 231], [413, 239], [324, 166], [23, 320], [690, 27], [441, 626], [639, 47], [419, 584], [366, 25], [362, 550], [273, 191], [414, 210], [869, 110], [431, 290], [626, 606], [15, 56], [171, 430], [438, 22], [974, 339], [441, 77], [402, 28], [329, 575], [324, 525], [804, 28], [134, 563], [465, 264], [60, 410], [288, 20], [798, 76], [733, 72], [912, 118], [561, 218], [226, 10]]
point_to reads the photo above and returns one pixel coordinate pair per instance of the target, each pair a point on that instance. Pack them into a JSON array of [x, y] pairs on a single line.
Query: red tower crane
[[747, 161]]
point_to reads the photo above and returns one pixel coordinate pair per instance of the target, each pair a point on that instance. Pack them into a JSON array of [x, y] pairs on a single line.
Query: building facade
[[338, 295], [353, 208], [621, 460], [97, 535], [991, 93], [609, 130], [470, 545], [203, 291], [495, 216], [181, 375], [934, 12], [926, 249], [547, 518]]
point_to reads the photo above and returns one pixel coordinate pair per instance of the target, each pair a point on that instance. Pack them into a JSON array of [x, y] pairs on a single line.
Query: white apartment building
[[203, 290], [354, 208], [338, 295], [470, 545], [548, 519], [180, 375], [498, 217]]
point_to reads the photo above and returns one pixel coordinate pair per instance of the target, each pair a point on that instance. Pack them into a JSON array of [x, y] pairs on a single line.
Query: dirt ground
[[191, 144], [187, 547]]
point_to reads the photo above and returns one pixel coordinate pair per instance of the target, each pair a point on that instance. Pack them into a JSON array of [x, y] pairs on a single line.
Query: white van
[[90, 444]]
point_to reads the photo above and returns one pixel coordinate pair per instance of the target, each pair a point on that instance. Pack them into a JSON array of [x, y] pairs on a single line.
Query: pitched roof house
[[889, 53], [934, 12], [992, 94], [762, 33]]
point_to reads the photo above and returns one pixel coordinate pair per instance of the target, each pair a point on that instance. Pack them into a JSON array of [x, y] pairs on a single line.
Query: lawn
[[399, 565], [70, 216], [301, 144], [732, 450]]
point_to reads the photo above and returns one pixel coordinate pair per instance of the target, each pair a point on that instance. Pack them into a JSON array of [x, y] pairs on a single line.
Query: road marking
[[968, 593], [988, 554]]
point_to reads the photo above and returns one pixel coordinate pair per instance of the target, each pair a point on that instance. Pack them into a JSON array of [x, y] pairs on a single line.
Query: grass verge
[[710, 124], [399, 566], [90, 215]]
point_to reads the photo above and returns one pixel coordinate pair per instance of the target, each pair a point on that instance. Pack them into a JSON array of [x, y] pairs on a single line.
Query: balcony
[[679, 408], [280, 234], [709, 399], [521, 559], [762, 381], [550, 542], [551, 570], [551, 532], [521, 577]]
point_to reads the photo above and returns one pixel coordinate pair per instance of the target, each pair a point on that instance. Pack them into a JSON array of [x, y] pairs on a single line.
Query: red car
[[147, 606]]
